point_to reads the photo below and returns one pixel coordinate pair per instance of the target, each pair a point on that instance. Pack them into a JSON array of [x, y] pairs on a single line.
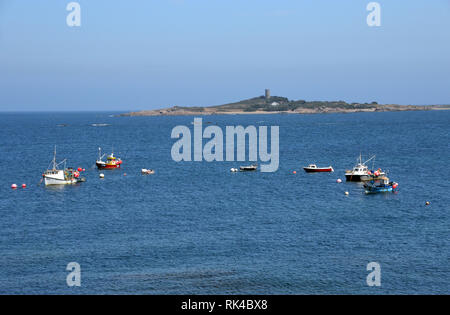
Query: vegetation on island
[[278, 104]]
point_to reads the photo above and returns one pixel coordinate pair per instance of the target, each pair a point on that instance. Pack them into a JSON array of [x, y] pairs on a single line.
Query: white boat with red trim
[[313, 168]]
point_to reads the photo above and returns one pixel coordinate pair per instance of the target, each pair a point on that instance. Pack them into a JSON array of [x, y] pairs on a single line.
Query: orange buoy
[[295, 172], [13, 186]]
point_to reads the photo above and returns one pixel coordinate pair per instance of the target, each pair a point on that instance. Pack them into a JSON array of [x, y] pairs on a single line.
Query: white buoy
[[339, 181], [346, 193], [13, 186], [234, 170], [102, 175]]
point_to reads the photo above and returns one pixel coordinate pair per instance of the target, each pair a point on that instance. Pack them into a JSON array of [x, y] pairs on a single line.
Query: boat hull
[[377, 190], [248, 169], [49, 181], [363, 178], [107, 166], [353, 178], [318, 170]]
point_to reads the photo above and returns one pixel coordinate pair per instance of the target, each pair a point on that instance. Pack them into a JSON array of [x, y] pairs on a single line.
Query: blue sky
[[130, 55]]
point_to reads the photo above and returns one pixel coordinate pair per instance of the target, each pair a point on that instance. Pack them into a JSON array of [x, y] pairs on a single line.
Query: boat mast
[[54, 159]]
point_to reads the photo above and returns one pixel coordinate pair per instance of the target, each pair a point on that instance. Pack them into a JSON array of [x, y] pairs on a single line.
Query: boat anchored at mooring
[[361, 172], [65, 176], [249, 168], [313, 168], [111, 161], [380, 185]]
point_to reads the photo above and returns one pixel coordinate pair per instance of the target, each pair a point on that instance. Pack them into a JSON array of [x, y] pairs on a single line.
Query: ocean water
[[196, 228]]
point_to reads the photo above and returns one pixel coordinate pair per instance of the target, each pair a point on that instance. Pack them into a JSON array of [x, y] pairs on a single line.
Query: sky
[[148, 54]]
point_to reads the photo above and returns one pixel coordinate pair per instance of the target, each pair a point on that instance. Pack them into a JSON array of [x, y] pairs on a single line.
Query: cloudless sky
[[146, 54]]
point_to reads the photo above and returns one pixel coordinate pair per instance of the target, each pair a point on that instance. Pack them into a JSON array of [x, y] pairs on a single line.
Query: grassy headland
[[278, 104]]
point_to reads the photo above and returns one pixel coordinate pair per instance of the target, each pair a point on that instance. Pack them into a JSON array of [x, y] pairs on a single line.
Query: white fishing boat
[[65, 176], [361, 172]]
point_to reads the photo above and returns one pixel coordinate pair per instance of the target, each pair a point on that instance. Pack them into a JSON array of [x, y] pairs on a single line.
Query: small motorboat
[[380, 185], [249, 168], [145, 171], [313, 168], [111, 161]]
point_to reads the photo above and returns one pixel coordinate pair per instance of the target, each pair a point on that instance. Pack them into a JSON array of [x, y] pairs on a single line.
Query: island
[[267, 104]]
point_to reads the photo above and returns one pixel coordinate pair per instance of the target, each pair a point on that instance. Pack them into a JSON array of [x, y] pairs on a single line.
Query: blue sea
[[197, 228]]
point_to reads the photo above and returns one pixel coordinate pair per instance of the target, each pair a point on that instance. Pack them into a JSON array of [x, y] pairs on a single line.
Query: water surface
[[196, 228]]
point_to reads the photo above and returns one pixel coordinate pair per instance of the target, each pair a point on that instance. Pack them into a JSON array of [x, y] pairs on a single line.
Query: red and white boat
[[313, 168], [111, 161]]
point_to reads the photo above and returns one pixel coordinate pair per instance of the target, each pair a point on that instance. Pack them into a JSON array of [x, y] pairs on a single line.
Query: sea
[[197, 228]]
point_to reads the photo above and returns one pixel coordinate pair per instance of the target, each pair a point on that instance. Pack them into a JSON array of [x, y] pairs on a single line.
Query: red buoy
[[24, 186], [80, 169], [13, 186]]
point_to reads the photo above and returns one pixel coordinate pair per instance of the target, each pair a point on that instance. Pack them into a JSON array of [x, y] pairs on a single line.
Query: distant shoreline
[[281, 105], [194, 113]]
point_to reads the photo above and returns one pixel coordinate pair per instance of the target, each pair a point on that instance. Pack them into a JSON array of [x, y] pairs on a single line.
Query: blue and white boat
[[380, 185]]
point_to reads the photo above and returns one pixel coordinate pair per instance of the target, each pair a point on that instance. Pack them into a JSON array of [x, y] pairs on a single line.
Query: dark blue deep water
[[195, 228]]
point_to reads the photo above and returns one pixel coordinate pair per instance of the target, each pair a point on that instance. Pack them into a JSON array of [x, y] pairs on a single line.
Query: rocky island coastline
[[281, 105]]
